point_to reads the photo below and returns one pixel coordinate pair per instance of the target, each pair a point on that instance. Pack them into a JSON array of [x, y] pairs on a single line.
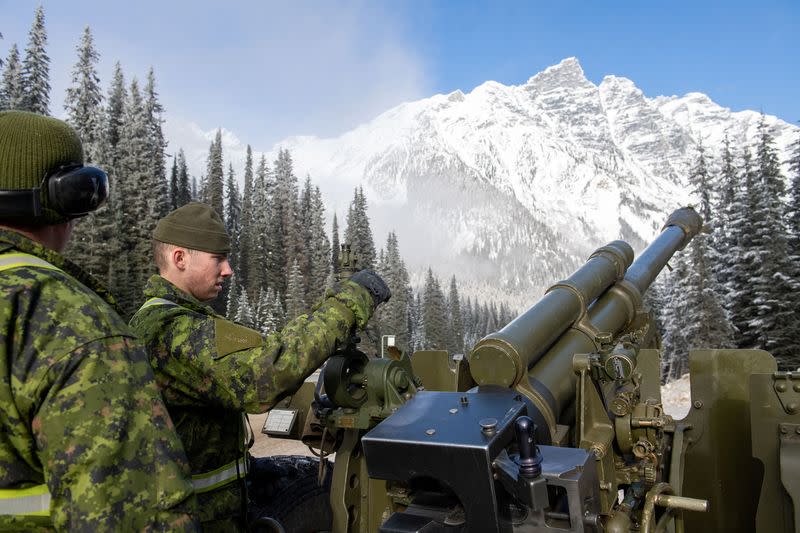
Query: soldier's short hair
[[162, 249]]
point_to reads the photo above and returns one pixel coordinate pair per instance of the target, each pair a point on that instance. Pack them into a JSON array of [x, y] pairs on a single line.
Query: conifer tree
[[261, 269], [156, 146], [244, 312], [232, 219], [740, 302], [84, 97], [12, 91], [358, 231], [393, 316], [173, 185], [215, 190], [470, 338], [434, 314], [185, 192], [36, 68], [455, 327], [295, 301], [137, 222], [285, 218], [335, 245], [793, 213], [418, 320], [112, 123], [320, 249], [775, 321], [246, 219]]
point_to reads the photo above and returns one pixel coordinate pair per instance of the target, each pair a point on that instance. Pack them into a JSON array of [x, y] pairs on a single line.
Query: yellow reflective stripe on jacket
[[33, 501], [221, 476], [19, 259], [156, 301]]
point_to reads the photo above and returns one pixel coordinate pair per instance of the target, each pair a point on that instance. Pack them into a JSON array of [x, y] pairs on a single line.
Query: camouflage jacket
[[81, 411], [210, 370]]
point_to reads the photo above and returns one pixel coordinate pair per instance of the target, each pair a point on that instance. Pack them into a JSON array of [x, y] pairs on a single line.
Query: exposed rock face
[[510, 188]]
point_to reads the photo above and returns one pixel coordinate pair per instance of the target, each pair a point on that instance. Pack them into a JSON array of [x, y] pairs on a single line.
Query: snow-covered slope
[[510, 187]]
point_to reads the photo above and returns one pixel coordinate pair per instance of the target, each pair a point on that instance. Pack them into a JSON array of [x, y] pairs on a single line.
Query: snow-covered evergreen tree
[[215, 180], [36, 68], [186, 191], [335, 245], [284, 221], [417, 319], [137, 220], [775, 321], [156, 146], [740, 302], [321, 250], [358, 232], [393, 315], [434, 314], [84, 97], [295, 301], [246, 219], [244, 312], [455, 326], [793, 215], [262, 270], [12, 90]]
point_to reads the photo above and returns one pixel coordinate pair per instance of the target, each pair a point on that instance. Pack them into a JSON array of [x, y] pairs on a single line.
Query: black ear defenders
[[72, 191]]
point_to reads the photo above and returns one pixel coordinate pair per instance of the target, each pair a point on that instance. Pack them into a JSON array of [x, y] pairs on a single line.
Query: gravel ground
[[675, 396]]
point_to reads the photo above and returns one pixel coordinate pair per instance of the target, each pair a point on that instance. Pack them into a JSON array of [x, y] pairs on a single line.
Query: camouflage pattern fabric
[[210, 370], [80, 408]]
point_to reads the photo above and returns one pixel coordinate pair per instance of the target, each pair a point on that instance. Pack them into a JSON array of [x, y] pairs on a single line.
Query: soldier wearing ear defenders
[[86, 443]]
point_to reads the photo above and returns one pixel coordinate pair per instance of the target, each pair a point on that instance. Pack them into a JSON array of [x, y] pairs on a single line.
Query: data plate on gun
[[279, 422]]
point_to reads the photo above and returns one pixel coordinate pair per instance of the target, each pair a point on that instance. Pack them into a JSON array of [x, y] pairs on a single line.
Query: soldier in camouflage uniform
[[86, 443], [211, 371]]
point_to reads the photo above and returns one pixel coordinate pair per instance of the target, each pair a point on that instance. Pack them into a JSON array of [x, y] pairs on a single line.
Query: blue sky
[[268, 70]]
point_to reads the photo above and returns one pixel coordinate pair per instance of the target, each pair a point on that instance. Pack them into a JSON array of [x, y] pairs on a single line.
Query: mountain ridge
[[523, 182]]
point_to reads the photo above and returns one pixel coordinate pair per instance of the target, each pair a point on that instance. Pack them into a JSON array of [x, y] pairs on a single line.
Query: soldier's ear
[[179, 258]]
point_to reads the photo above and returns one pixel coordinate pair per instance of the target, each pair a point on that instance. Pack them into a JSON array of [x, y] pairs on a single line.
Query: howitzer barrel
[[503, 358], [547, 335]]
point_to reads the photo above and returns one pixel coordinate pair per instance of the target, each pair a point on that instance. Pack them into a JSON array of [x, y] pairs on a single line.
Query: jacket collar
[[158, 287], [13, 240]]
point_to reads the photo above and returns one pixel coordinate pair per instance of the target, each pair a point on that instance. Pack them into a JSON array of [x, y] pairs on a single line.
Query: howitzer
[[555, 422]]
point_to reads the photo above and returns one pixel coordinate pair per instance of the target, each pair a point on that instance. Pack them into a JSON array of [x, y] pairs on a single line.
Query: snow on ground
[[676, 397]]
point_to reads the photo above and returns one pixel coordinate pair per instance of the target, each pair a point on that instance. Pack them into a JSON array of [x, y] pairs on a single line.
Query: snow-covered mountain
[[511, 187]]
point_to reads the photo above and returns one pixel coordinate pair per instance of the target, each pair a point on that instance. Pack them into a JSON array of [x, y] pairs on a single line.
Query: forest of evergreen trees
[[282, 256], [738, 285]]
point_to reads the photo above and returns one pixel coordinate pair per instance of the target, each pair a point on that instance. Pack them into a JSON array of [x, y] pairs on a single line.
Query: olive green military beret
[[196, 226], [31, 146]]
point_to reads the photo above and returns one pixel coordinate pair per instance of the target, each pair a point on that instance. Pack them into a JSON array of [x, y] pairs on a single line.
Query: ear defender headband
[[72, 191]]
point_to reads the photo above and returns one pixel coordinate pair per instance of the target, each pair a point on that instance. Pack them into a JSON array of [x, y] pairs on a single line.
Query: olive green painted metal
[[775, 423], [593, 306], [438, 370], [718, 461], [581, 362]]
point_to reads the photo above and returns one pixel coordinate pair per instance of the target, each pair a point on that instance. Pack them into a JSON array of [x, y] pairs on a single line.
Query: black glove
[[374, 284]]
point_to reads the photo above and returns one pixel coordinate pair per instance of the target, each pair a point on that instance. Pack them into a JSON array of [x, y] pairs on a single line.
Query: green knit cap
[[32, 145], [196, 226]]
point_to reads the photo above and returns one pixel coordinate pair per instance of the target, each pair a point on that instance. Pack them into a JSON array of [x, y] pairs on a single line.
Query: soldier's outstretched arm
[[205, 365], [112, 459]]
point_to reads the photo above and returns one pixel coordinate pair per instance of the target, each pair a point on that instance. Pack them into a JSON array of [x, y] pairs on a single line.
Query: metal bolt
[[430, 431], [780, 387], [796, 387], [453, 411], [791, 408], [797, 430], [784, 429], [698, 404]]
